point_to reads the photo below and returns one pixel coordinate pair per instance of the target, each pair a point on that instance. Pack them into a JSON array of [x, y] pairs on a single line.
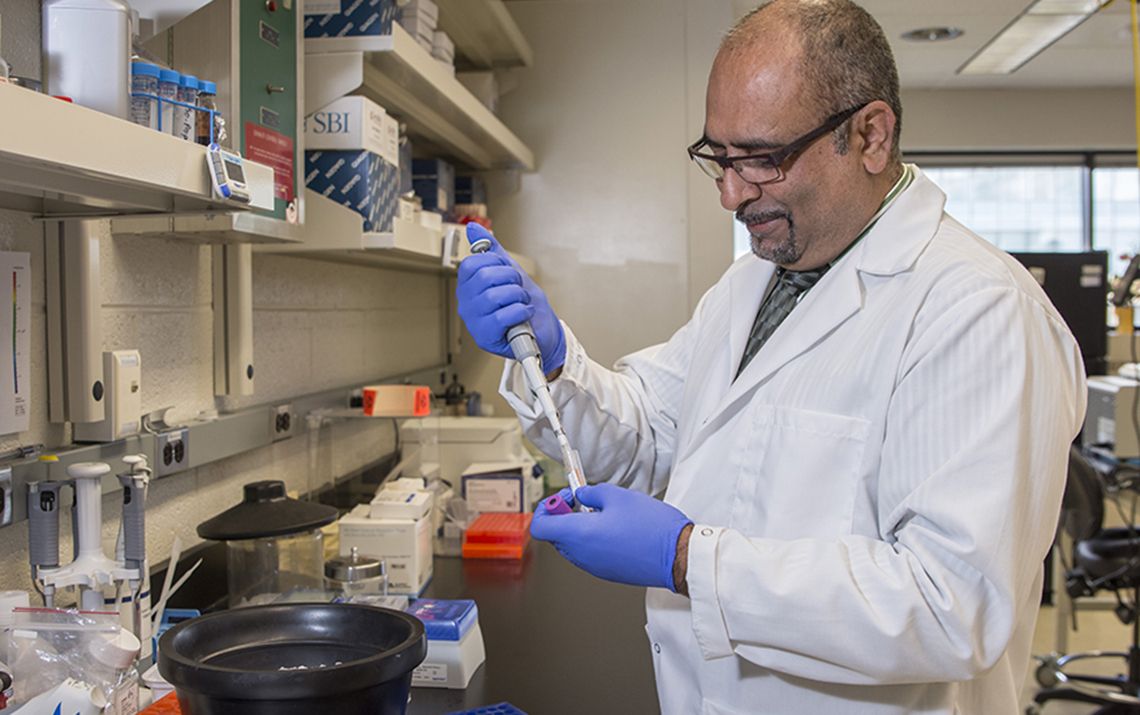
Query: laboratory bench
[[558, 640]]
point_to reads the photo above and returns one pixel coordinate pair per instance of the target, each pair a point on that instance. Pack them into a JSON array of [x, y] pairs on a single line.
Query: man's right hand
[[495, 295]]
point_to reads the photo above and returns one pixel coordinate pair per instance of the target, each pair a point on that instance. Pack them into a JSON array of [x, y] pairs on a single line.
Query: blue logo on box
[[356, 17], [360, 180]]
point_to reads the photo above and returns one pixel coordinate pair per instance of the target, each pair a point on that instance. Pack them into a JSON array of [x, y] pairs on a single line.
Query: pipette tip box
[[497, 536], [455, 643]]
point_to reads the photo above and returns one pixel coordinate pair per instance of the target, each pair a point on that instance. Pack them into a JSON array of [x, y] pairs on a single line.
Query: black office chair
[[1102, 560]]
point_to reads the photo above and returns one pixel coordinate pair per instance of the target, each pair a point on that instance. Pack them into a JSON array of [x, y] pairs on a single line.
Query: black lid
[[266, 511]]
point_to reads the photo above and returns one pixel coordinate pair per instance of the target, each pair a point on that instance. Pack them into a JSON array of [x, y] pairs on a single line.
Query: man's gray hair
[[846, 60]]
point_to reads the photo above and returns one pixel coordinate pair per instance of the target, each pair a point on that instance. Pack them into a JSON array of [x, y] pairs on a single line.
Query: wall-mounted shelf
[[62, 160], [396, 73], [212, 228], [484, 33], [333, 233]]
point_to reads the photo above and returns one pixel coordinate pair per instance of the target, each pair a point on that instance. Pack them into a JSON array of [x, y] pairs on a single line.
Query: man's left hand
[[629, 538]]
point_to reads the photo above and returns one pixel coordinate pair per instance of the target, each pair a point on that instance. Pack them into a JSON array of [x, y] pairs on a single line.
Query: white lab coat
[[873, 497]]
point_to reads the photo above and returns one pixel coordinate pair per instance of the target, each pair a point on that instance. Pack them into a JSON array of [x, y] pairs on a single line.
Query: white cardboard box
[[401, 504], [403, 544], [497, 486], [352, 123], [423, 8]]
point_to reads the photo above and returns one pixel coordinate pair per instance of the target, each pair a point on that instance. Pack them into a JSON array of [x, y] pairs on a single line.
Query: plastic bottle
[[9, 602], [207, 92], [110, 668], [86, 52], [167, 89], [185, 121], [144, 80]]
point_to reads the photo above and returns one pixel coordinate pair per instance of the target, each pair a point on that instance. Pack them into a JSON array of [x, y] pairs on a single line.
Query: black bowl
[[290, 659]]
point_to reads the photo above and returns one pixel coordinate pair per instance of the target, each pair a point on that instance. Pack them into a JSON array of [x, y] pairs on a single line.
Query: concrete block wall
[[317, 326]]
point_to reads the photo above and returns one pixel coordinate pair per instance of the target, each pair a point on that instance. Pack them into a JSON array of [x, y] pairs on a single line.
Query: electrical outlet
[[173, 452], [5, 496], [282, 422]]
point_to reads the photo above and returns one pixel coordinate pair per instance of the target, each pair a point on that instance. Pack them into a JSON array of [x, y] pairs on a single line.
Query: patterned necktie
[[790, 285]]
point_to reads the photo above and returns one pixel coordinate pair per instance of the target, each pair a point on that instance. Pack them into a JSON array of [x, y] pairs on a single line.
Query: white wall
[[1026, 119], [626, 234], [316, 326]]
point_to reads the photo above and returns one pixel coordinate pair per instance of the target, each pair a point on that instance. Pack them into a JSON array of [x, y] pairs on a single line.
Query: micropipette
[[525, 349]]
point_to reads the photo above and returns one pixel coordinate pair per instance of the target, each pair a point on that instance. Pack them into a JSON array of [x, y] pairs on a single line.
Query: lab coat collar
[[902, 233], [892, 246]]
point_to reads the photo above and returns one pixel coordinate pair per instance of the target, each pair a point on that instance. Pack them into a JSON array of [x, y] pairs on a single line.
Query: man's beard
[[785, 253]]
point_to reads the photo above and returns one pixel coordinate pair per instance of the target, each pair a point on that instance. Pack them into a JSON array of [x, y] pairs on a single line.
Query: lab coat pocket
[[799, 473]]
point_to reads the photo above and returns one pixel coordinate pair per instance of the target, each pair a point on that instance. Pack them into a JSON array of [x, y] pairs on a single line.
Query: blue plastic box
[[445, 620], [405, 165], [434, 182], [356, 18], [360, 180], [470, 190]]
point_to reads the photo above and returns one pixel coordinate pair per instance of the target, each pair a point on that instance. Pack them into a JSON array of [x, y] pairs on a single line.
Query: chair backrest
[[1082, 507]]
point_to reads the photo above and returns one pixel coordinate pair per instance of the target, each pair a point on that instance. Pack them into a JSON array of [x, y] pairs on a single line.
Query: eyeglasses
[[764, 168]]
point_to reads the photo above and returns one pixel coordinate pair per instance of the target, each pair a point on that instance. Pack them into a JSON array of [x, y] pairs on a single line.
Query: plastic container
[[185, 118], [86, 53], [455, 643], [294, 659], [9, 601], [168, 81], [144, 80], [207, 95], [497, 536], [274, 544]]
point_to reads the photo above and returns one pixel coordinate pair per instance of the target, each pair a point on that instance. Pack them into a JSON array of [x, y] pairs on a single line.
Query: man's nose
[[735, 191]]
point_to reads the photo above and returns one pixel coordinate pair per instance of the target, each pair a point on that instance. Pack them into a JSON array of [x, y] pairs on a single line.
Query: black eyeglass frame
[[776, 158]]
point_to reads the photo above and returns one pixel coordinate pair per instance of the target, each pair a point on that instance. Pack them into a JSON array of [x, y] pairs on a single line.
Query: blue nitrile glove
[[630, 537], [495, 295]]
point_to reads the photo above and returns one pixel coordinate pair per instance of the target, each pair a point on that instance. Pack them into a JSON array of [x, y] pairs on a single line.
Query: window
[[1017, 208], [1116, 215]]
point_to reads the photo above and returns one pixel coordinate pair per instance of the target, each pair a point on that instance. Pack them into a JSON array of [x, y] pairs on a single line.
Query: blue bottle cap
[[145, 69], [165, 75], [207, 87], [188, 80]]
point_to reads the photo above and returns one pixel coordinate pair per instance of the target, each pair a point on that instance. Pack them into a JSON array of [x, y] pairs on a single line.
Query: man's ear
[[874, 130]]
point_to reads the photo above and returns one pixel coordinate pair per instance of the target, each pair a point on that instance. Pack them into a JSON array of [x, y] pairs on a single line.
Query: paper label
[[322, 7], [274, 149], [493, 494], [430, 673], [15, 270]]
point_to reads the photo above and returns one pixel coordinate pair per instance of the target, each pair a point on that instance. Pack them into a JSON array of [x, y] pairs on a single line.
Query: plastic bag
[[53, 647]]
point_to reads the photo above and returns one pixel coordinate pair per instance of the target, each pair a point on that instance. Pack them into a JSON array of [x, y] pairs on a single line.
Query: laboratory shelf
[[212, 228], [484, 33], [61, 160], [399, 75], [333, 233]]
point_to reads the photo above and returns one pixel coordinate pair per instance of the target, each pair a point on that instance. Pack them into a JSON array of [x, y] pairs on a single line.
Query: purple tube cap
[[556, 505]]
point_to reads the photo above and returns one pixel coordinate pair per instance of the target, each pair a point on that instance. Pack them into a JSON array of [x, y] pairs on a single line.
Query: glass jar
[[274, 544]]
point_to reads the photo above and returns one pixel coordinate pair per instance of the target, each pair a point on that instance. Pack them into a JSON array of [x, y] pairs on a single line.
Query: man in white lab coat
[[861, 434]]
